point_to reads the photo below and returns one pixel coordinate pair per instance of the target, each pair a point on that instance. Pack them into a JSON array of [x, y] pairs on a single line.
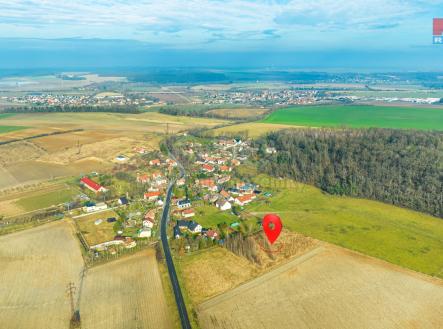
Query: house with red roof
[[186, 213], [152, 196], [143, 178], [244, 199], [225, 168], [208, 168], [93, 186], [155, 162], [207, 183]]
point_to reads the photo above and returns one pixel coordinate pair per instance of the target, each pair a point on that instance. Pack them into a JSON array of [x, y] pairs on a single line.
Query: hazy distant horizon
[[78, 53], [377, 35]]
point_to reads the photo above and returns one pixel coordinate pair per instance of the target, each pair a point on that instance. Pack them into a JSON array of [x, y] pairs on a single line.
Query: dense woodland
[[399, 167]]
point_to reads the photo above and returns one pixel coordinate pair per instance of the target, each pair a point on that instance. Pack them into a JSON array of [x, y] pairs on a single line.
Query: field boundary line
[[258, 280]]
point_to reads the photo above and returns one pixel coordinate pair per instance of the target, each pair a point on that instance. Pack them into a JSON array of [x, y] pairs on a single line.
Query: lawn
[[209, 216], [46, 200], [95, 234], [359, 116], [400, 236]]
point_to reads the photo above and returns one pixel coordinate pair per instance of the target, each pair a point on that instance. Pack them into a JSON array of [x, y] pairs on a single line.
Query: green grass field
[[209, 216], [359, 116], [46, 200], [400, 236], [8, 129]]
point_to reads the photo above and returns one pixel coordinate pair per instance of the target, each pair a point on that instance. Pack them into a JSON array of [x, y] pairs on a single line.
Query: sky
[[290, 32]]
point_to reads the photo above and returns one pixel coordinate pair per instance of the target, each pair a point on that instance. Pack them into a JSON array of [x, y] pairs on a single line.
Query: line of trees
[[400, 167], [68, 108], [204, 111]]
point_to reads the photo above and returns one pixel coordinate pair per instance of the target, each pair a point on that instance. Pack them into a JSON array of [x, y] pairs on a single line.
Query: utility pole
[[70, 290], [167, 128], [75, 315]]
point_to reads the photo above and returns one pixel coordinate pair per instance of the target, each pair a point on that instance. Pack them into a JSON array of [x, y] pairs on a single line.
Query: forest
[[400, 167]]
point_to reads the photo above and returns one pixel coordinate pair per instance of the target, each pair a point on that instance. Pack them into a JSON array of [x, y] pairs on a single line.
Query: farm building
[[93, 186]]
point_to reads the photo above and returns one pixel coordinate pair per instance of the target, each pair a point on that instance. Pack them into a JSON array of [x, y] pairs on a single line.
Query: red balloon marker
[[272, 226]]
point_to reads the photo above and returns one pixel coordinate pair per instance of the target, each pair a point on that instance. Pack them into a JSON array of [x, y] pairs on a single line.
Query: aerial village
[[123, 209]]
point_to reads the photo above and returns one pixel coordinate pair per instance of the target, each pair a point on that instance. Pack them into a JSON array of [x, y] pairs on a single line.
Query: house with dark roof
[[194, 227], [123, 201], [182, 204]]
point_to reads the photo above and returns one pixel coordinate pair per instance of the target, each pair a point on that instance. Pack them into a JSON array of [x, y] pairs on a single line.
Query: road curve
[[184, 319]]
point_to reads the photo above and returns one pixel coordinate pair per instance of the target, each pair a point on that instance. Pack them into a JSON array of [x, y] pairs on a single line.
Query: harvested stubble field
[[36, 266], [216, 270], [330, 287], [104, 136], [125, 294]]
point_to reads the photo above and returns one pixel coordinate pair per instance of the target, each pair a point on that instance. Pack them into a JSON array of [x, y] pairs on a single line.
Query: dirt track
[[330, 287]]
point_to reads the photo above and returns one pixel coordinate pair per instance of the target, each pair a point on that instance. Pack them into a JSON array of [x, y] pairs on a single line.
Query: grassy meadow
[[359, 116], [46, 200], [210, 216], [400, 236]]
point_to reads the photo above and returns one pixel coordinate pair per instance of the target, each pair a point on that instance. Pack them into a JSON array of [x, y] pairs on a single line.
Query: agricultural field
[[125, 294], [50, 82], [46, 200], [423, 118], [237, 113], [349, 290], [8, 129], [250, 129], [104, 136], [22, 200], [95, 234], [213, 271], [37, 265], [404, 237]]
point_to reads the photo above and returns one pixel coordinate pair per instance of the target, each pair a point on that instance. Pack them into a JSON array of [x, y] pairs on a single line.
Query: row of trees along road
[[400, 167]]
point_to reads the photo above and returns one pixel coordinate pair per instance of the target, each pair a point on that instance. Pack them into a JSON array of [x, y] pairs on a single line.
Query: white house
[[148, 224], [223, 205], [182, 204], [194, 227], [145, 233]]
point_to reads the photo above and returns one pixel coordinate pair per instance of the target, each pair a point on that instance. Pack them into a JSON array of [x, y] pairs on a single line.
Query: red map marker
[[272, 226]]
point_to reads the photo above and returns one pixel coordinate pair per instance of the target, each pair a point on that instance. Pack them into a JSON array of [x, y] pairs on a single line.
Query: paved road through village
[[169, 262]]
